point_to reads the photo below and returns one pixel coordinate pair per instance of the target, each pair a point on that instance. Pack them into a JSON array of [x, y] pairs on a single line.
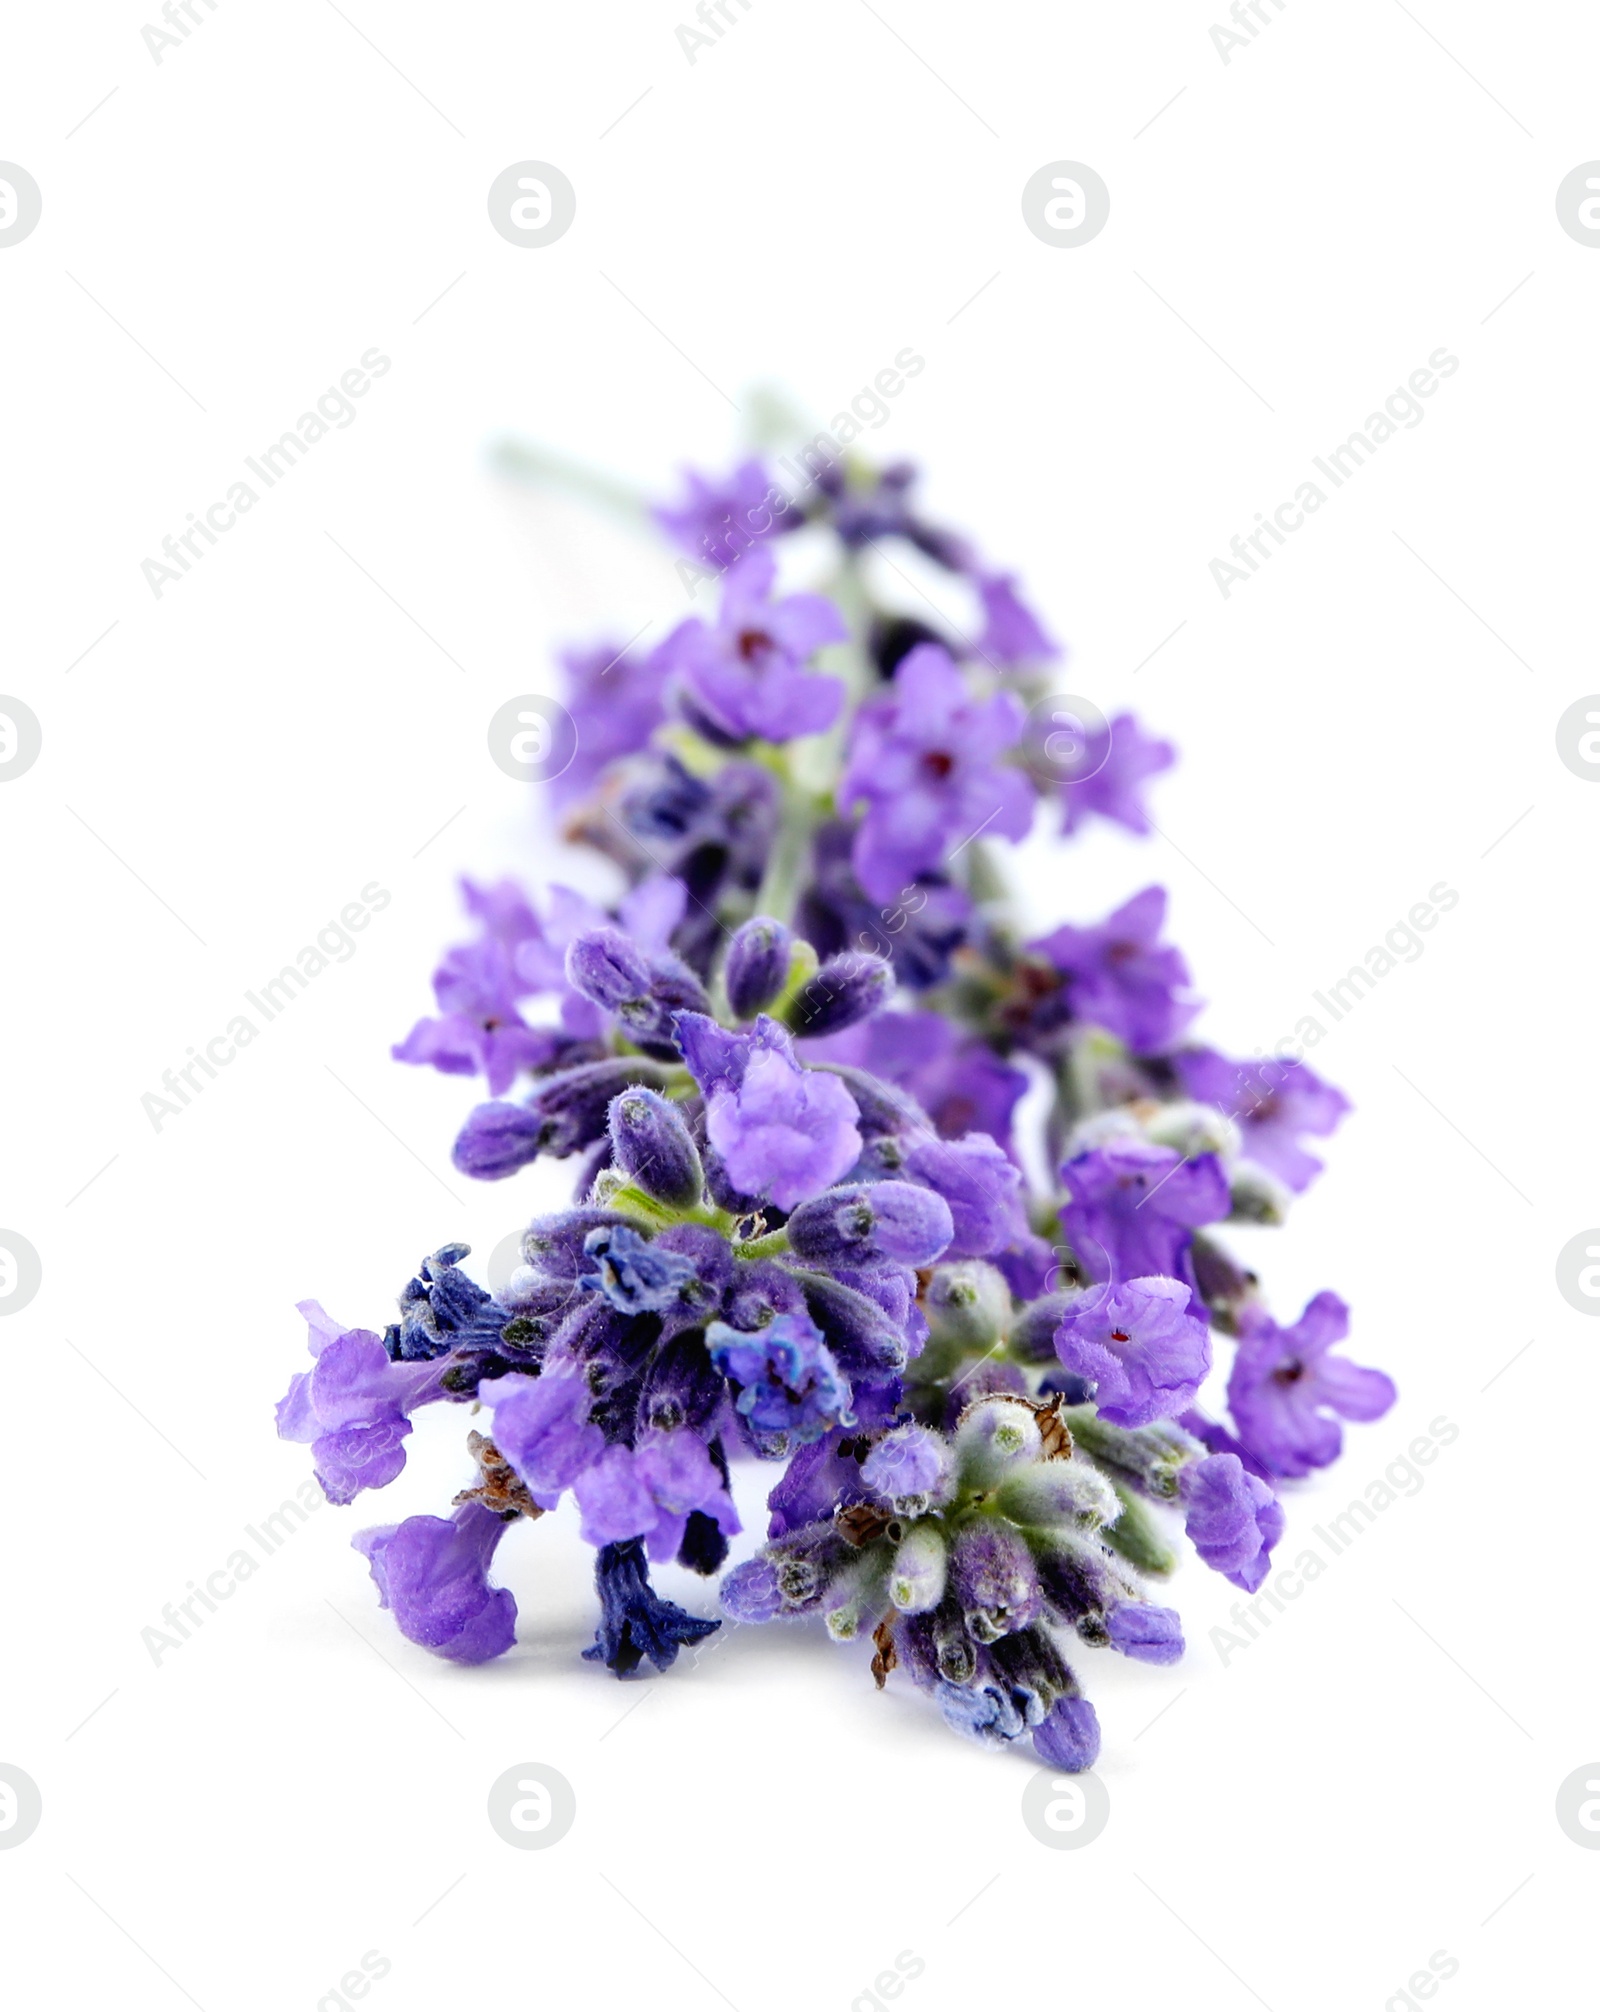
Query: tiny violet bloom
[[479, 1030], [1285, 1381], [352, 1406], [1106, 778], [745, 679], [1011, 634], [542, 1426], [926, 762], [635, 1275], [719, 520], [1133, 1207], [650, 1490], [782, 1132], [1118, 976], [1274, 1101], [432, 1573], [978, 1183], [789, 1381], [1139, 1345], [1233, 1519], [616, 700]]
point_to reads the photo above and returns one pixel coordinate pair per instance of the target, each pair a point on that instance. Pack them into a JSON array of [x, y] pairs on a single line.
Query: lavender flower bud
[[995, 1435], [497, 1140], [1030, 1667], [884, 1110], [606, 967], [848, 988], [563, 1116], [757, 967], [968, 1303], [880, 1222], [650, 1142], [1148, 1634], [1070, 1737], [555, 1244], [910, 1468], [750, 1591], [1033, 1333], [1255, 1196], [855, 1596], [994, 1578], [954, 1652], [859, 1333], [1151, 1457], [643, 992], [1080, 1582], [916, 1579], [681, 1387], [1058, 1492]]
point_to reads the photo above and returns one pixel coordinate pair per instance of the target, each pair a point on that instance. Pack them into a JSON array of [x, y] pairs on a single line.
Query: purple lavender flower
[[542, 1426], [1011, 632], [782, 1133], [1106, 779], [1285, 1381], [979, 1184], [1140, 1347], [718, 521], [746, 679], [1233, 1518], [1116, 975], [433, 1574], [1274, 1102], [352, 1406], [650, 1490], [789, 1381], [478, 1030], [925, 760], [1133, 1206], [617, 700]]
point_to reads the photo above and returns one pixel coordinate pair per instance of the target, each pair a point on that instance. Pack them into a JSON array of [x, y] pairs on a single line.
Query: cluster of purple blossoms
[[800, 1066]]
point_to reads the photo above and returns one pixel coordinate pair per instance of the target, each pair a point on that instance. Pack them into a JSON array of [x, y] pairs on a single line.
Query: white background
[[228, 765]]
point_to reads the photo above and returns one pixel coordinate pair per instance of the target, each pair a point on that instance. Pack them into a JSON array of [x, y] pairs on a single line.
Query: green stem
[[539, 465]]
